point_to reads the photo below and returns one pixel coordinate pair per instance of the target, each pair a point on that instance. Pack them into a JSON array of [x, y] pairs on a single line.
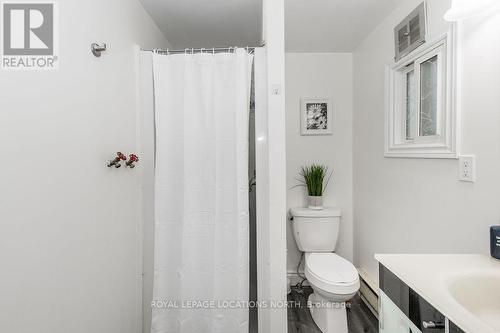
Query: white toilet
[[333, 279]]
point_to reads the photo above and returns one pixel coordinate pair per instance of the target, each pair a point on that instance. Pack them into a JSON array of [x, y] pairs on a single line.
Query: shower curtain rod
[[203, 50]]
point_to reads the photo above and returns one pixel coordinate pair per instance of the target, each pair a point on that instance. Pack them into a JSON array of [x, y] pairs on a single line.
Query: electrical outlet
[[467, 168]]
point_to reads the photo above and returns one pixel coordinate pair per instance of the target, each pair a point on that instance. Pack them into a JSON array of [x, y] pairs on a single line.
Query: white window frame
[[445, 144]]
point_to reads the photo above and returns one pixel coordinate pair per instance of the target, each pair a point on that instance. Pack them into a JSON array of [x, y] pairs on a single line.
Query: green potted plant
[[313, 178]]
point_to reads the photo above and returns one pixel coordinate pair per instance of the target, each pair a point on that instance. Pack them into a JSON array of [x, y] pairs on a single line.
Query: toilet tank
[[316, 230]]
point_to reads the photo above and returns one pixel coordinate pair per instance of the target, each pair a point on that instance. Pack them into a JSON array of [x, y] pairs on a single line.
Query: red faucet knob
[[134, 158], [121, 156]]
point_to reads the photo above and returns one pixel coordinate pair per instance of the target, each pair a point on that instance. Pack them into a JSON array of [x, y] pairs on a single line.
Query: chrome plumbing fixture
[[116, 162], [132, 159], [432, 324], [97, 49]]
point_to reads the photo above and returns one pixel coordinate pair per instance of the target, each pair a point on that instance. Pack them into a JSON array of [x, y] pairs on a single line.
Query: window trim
[[440, 52], [414, 129], [446, 143]]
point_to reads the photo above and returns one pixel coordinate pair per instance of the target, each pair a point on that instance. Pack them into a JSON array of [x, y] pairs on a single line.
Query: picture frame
[[316, 116]]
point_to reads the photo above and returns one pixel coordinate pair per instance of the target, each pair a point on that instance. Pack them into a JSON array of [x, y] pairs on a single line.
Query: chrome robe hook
[[97, 49]]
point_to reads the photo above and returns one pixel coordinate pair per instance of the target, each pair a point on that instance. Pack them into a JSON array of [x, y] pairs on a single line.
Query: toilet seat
[[331, 273]]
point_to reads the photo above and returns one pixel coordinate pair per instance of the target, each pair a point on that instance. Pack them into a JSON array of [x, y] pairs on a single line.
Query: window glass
[[410, 104], [428, 97]]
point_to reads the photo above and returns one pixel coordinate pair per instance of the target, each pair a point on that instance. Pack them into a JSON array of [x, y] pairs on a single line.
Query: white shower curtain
[[201, 193]]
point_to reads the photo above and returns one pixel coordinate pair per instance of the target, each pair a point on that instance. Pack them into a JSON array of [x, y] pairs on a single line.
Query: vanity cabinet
[[392, 319], [402, 310]]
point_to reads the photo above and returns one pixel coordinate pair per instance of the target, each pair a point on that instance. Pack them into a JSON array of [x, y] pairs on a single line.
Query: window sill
[[413, 151]]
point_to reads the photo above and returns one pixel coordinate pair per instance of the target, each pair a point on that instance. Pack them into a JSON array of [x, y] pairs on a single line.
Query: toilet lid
[[331, 268]]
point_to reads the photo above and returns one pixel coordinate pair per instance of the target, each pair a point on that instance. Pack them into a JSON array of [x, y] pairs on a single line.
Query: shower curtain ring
[[213, 50], [186, 50], [192, 51]]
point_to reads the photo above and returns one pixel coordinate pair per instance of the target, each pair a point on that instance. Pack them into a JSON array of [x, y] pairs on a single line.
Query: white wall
[[69, 231], [418, 205], [326, 75]]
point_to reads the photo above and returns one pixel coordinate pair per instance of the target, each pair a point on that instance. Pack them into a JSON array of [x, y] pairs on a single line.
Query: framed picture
[[316, 116]]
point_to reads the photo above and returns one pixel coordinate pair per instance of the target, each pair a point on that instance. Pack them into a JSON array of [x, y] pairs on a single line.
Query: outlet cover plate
[[467, 168]]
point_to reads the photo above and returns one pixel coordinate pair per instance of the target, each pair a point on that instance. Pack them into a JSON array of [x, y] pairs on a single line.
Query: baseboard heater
[[368, 292]]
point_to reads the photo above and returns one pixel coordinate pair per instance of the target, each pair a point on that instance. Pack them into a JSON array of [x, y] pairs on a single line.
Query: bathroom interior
[[270, 166]]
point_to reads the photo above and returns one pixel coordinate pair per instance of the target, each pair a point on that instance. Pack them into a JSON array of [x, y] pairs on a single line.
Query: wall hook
[[116, 162], [132, 159], [97, 49]]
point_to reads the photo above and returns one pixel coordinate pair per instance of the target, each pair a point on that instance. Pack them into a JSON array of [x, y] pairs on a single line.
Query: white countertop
[[429, 275]]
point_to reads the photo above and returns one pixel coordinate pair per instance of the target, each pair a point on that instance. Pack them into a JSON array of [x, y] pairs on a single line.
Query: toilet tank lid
[[325, 212]]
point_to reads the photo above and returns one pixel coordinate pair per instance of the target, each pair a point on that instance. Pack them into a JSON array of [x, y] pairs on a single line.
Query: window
[[421, 110]]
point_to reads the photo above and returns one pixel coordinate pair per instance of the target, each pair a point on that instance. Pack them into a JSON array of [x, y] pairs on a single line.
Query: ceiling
[[207, 23], [332, 25], [311, 25]]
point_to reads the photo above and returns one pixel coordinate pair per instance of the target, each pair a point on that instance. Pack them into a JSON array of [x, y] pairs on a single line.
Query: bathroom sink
[[479, 294]]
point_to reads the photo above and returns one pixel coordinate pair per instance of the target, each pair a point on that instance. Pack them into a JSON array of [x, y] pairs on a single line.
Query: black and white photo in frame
[[316, 116]]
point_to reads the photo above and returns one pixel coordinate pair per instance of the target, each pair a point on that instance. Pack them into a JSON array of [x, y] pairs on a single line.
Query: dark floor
[[359, 317]]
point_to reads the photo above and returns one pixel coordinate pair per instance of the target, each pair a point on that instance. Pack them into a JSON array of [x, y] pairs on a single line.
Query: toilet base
[[330, 317]]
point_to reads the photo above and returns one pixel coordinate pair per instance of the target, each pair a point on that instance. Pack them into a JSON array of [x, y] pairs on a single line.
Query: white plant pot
[[315, 202]]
